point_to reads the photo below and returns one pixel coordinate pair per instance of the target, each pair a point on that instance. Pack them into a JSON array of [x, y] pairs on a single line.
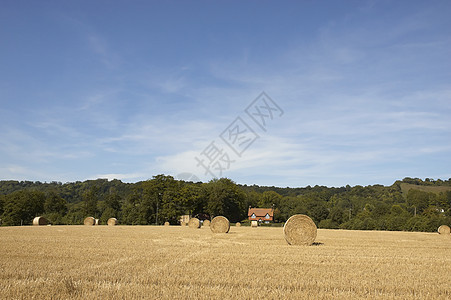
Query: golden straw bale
[[220, 224], [206, 223], [238, 224], [444, 229], [300, 230], [40, 221], [89, 221], [166, 223], [194, 223], [254, 224], [112, 222]]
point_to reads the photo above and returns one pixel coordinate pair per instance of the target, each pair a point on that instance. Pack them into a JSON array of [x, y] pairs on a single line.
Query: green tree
[[269, 199], [337, 215], [252, 198], [277, 215], [21, 207], [193, 199], [111, 207], [292, 205], [418, 199], [150, 201], [362, 221], [397, 218], [328, 224], [380, 209], [318, 212], [90, 198], [226, 199], [130, 215], [55, 208], [2, 201], [442, 201], [160, 188], [75, 213], [170, 208]]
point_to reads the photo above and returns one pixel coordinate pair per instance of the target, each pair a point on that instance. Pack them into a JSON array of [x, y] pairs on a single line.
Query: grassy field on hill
[[156, 262], [405, 187]]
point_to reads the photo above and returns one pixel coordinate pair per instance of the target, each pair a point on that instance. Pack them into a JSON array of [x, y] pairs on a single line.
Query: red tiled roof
[[260, 212]]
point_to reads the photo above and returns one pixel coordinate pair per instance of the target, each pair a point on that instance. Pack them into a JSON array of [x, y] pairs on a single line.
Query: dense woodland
[[411, 204]]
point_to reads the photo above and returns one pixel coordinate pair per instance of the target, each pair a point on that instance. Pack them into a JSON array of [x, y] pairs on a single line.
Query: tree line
[[164, 199]]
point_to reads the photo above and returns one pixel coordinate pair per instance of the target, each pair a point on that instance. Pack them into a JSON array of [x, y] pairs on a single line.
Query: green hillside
[[412, 204], [405, 187]]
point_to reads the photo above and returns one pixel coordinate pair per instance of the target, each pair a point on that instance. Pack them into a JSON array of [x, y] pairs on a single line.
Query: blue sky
[[132, 89]]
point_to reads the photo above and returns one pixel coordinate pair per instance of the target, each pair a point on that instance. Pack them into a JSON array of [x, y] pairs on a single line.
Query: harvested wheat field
[[161, 262]]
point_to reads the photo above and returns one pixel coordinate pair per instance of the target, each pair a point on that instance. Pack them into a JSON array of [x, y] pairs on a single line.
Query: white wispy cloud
[[359, 95]]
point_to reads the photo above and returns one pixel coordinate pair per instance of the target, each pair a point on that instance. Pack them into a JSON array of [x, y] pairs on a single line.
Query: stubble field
[[153, 262]]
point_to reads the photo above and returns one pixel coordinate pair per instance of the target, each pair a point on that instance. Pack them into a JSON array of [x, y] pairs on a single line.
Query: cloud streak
[[365, 95]]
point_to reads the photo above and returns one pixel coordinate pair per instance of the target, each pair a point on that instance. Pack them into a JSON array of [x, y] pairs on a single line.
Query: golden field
[[156, 262]]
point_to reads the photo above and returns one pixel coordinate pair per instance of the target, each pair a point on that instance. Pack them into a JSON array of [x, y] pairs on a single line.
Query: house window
[[253, 215], [267, 216]]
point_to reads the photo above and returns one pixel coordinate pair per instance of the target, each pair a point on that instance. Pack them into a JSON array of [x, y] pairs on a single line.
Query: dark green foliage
[[2, 201], [337, 215], [269, 198], [318, 212], [55, 207], [424, 206], [418, 199], [111, 207], [328, 224], [76, 214], [22, 206], [90, 198], [130, 208], [225, 198]]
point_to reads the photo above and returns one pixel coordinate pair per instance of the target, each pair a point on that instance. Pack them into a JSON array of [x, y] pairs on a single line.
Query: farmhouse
[[261, 214]]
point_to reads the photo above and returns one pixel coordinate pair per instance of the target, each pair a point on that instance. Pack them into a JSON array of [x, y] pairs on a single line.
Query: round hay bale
[[220, 224], [238, 224], [166, 223], [40, 221], [89, 221], [444, 229], [194, 223], [112, 222], [254, 224], [183, 224], [300, 230], [206, 223]]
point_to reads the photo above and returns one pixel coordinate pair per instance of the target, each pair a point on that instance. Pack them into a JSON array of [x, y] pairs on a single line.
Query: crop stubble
[[173, 262]]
